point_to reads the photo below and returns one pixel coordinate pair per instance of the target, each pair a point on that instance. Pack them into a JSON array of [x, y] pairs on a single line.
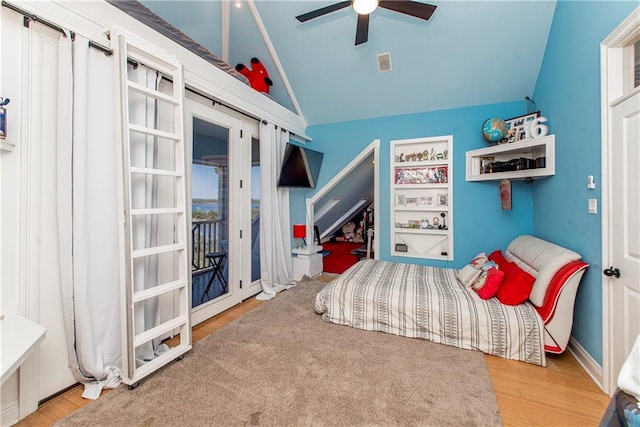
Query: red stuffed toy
[[258, 76]]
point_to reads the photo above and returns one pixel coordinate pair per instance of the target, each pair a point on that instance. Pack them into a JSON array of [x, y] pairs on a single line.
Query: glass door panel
[[214, 141], [251, 214], [210, 211], [255, 210]]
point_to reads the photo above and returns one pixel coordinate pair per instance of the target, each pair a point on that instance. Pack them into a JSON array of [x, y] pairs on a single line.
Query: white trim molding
[[274, 55], [374, 147], [9, 414], [585, 360], [613, 77]]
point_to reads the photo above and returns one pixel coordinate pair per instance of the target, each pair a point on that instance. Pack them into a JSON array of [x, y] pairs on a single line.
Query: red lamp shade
[[299, 231]]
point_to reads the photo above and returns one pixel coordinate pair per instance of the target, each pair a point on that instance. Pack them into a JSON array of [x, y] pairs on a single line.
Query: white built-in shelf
[[435, 186], [422, 231], [422, 209], [421, 192], [540, 151], [419, 163]]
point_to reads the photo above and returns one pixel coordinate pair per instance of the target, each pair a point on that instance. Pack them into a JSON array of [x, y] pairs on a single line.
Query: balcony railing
[[206, 237]]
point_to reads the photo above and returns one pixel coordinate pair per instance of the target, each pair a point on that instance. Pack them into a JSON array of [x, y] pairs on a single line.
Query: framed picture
[[518, 127], [411, 201], [442, 200], [425, 201], [400, 200]]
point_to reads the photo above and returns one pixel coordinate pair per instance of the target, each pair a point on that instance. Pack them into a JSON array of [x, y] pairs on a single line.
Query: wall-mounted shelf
[[421, 231], [20, 336], [540, 151], [422, 198]]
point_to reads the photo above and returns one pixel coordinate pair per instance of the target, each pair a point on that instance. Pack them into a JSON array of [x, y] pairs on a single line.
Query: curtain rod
[[28, 17], [109, 52], [216, 101]]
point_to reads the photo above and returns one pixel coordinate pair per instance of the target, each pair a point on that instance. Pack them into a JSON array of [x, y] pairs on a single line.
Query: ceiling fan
[[364, 9]]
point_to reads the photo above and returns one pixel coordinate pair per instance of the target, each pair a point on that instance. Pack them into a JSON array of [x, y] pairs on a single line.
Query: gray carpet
[[282, 365]]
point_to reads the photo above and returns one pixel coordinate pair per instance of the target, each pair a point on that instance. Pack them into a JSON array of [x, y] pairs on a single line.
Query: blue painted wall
[[568, 94], [479, 222]]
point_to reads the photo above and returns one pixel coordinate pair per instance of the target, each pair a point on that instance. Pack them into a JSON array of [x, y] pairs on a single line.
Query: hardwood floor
[[562, 394]]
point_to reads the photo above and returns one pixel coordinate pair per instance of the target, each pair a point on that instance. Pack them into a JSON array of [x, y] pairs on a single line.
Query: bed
[[432, 303]]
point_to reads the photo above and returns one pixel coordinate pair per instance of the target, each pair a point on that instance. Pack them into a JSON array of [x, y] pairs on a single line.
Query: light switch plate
[[591, 184], [593, 206]]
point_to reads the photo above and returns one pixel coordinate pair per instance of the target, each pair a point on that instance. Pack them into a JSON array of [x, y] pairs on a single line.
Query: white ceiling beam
[[274, 55], [225, 8]]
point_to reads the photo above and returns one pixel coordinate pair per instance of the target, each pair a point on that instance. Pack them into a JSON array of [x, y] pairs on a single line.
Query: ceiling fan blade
[[362, 29], [323, 11], [408, 7]]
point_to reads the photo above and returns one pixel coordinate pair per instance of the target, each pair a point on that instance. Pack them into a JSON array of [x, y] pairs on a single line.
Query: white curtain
[[87, 215], [275, 225]]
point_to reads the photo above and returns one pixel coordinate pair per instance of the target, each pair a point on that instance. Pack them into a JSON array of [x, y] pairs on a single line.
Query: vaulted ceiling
[[468, 53]]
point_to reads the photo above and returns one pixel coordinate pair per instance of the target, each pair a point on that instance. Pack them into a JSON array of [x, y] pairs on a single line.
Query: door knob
[[612, 272]]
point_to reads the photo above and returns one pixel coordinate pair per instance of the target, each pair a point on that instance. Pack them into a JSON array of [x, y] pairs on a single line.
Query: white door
[[251, 284], [623, 275], [220, 148], [619, 53]]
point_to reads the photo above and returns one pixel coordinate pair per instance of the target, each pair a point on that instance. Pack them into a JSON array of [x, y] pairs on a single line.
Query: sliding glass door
[[216, 153], [252, 189], [225, 203]]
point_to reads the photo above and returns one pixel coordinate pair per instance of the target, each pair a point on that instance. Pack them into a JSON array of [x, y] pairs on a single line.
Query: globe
[[493, 130]]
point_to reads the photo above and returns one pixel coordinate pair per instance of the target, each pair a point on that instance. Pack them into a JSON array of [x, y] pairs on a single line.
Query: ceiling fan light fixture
[[364, 7]]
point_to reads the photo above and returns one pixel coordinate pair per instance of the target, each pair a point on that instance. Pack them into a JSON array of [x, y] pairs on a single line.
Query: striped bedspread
[[429, 303]]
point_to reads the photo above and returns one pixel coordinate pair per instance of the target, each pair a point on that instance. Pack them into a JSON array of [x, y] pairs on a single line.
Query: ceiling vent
[[384, 62]]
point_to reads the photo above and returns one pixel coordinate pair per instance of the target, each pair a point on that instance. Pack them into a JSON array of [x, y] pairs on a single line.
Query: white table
[[307, 261]]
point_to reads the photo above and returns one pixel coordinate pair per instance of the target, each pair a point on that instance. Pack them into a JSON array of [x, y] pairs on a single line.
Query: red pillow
[[492, 283], [497, 257], [517, 285]]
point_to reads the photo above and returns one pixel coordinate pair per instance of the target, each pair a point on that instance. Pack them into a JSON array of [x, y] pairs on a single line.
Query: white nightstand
[[307, 261]]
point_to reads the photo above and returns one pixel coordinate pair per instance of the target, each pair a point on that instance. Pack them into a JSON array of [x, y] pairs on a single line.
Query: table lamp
[[299, 232]]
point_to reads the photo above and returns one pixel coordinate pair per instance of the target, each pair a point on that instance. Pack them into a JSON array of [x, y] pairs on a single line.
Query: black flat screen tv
[[300, 167]]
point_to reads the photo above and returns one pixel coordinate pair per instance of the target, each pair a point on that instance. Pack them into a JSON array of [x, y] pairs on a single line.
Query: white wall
[[29, 245], [10, 70]]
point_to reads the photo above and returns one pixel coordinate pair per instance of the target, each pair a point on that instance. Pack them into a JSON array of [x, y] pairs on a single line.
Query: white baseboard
[[587, 362], [9, 414]]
